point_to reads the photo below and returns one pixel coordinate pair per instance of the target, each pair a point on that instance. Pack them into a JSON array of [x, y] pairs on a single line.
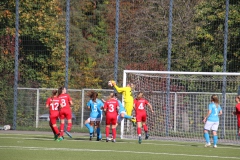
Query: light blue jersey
[[213, 117], [96, 111], [121, 108]]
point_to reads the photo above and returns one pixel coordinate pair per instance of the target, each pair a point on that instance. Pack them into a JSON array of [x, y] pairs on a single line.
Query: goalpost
[[180, 101]]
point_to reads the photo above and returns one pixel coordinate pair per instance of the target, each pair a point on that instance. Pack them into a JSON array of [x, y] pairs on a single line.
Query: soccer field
[[16, 145]]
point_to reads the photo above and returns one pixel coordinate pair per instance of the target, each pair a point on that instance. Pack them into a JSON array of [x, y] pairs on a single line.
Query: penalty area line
[[116, 151]]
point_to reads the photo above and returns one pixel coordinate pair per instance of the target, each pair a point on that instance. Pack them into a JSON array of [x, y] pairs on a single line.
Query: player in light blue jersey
[[211, 121], [96, 106]]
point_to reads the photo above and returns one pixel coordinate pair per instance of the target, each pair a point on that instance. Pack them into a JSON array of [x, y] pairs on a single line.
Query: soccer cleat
[[140, 140], [146, 136], [59, 139], [69, 135], [55, 137], [207, 144], [90, 138], [114, 140], [107, 139], [99, 139], [215, 146]]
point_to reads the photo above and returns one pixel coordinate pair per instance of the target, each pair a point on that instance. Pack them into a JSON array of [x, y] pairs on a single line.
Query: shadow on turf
[[43, 138]]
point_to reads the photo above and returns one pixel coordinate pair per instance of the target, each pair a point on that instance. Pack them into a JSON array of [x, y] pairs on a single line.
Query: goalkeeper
[[127, 96]]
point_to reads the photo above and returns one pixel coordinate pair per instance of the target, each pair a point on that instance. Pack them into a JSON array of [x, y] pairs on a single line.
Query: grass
[[28, 145]]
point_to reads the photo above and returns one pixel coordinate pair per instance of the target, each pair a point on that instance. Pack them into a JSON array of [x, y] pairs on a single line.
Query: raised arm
[[150, 106], [120, 89]]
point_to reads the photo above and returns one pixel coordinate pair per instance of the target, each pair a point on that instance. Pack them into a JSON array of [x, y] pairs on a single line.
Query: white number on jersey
[[141, 106], [111, 108], [63, 103], [95, 107], [54, 106]]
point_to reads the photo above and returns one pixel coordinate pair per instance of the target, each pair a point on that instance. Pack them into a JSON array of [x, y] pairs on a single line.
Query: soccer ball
[[110, 83], [7, 127]]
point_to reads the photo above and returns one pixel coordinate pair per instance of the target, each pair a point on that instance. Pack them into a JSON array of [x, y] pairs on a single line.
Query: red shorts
[[111, 119], [65, 113], [141, 117], [54, 117], [238, 119]]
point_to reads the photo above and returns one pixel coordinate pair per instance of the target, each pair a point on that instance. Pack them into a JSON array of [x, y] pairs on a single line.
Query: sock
[[88, 126], [127, 116], [99, 135], [50, 124], [215, 140], [55, 128], [139, 131], [69, 127], [107, 132], [91, 131], [207, 138], [145, 127], [61, 129], [114, 133]]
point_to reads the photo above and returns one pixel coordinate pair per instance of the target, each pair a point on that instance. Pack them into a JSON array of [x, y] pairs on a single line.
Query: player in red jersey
[[141, 115], [237, 112], [111, 107], [53, 103], [65, 111]]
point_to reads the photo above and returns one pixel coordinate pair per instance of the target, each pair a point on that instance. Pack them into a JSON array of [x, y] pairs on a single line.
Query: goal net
[[180, 102]]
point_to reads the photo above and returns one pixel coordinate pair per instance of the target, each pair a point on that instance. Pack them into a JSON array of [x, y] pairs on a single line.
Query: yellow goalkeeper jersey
[[126, 92]]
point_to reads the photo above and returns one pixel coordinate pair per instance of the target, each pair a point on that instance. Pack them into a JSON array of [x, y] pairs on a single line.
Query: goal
[[180, 102]]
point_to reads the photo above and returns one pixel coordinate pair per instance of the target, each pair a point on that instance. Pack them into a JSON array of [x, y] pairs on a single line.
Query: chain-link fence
[[46, 44]]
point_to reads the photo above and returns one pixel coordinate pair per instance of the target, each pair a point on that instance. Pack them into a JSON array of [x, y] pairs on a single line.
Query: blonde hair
[[214, 98]]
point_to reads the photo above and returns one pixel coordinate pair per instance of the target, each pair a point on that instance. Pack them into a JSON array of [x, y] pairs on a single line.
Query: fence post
[[83, 92], [16, 67], [37, 109], [175, 112]]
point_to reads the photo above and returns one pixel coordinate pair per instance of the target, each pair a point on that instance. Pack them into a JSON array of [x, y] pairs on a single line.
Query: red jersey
[[53, 104], [65, 100], [238, 109], [139, 105], [111, 107]]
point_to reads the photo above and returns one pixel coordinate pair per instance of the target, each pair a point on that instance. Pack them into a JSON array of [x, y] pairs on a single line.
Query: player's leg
[[107, 128], [215, 137], [50, 125], [144, 125], [53, 121], [87, 123], [114, 131], [92, 124], [207, 127], [129, 108], [99, 135], [139, 131], [145, 128], [238, 118], [62, 121], [69, 125]]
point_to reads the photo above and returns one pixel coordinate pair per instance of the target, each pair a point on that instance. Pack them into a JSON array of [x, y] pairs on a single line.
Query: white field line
[[156, 144], [116, 151]]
